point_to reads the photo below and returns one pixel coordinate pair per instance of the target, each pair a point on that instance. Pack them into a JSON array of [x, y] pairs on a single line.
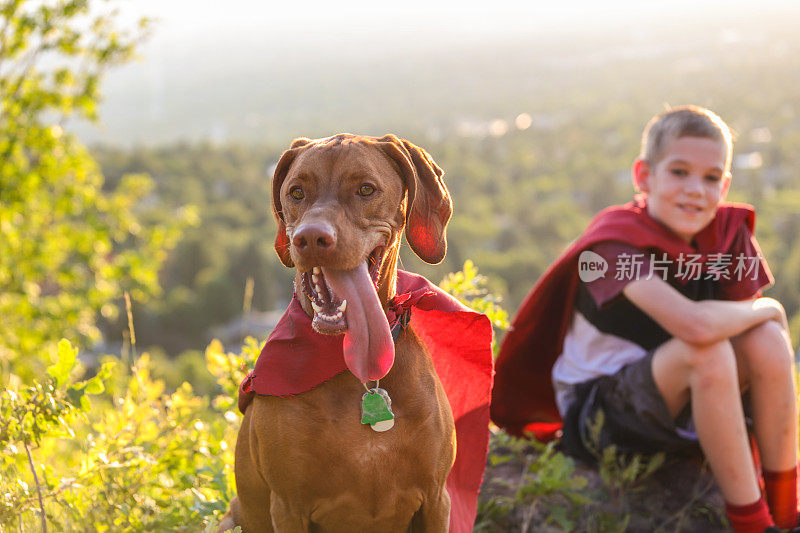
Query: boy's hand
[[777, 309]]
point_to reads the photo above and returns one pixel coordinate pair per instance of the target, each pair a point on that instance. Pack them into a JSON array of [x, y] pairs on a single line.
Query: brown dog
[[306, 462]]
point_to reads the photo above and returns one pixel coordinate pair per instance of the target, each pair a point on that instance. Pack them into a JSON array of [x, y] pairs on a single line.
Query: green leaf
[[75, 394], [85, 404], [94, 386], [560, 515], [67, 360]]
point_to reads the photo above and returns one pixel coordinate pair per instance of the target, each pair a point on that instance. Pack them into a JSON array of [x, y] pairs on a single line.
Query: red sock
[[781, 489], [750, 518]]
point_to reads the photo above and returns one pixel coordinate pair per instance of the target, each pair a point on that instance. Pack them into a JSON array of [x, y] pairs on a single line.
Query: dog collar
[[400, 324]]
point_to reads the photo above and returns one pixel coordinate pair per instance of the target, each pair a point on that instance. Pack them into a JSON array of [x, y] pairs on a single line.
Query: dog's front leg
[[283, 520], [250, 509], [434, 515]]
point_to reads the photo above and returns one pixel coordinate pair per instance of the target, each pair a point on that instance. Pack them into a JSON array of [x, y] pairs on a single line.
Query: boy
[[654, 318]]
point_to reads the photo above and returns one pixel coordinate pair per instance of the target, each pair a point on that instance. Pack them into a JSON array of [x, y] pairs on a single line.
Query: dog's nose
[[314, 238]]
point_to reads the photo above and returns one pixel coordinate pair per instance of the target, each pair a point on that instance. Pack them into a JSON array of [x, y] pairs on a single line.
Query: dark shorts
[[625, 409]]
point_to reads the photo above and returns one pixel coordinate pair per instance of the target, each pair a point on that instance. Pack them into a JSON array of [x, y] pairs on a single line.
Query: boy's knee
[[764, 348], [769, 332], [713, 363]]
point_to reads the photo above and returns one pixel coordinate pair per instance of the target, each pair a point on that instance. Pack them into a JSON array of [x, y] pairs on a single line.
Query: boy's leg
[[708, 376], [766, 365]]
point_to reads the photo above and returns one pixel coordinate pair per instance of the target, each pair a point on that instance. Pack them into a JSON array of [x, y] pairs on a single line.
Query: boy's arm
[[703, 322]]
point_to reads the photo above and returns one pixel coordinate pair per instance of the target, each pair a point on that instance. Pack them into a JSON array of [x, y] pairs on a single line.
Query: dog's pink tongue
[[368, 345]]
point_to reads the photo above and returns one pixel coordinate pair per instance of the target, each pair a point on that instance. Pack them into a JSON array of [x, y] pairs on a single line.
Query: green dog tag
[[376, 406]]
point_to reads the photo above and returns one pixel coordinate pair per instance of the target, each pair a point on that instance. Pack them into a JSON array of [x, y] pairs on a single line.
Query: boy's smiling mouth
[[688, 208]]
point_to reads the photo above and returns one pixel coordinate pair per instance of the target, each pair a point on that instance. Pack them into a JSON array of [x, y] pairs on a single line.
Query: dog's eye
[[297, 193], [366, 190]]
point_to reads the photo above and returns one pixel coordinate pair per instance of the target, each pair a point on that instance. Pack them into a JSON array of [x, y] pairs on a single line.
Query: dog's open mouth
[[346, 301], [329, 308]]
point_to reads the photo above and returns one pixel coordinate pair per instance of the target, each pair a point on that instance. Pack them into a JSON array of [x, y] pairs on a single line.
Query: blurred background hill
[[534, 113]]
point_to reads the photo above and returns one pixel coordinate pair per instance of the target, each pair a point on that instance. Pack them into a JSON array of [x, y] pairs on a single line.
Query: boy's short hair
[[684, 121]]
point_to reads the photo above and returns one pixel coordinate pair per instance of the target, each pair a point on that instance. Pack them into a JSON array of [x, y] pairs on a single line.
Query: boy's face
[[685, 187]]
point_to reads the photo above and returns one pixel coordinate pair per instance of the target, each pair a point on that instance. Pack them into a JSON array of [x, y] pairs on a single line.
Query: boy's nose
[[693, 185]]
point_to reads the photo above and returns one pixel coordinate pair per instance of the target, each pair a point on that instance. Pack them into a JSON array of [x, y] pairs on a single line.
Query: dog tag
[[386, 425], [376, 409]]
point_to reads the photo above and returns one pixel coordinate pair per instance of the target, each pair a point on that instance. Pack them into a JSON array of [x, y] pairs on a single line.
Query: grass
[[532, 486]]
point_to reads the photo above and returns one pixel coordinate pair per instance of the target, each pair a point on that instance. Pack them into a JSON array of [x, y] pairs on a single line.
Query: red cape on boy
[[523, 399], [296, 359]]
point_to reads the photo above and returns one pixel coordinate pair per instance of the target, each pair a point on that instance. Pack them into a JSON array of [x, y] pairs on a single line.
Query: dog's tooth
[[317, 308], [316, 270], [342, 306], [315, 279], [316, 288], [338, 315]]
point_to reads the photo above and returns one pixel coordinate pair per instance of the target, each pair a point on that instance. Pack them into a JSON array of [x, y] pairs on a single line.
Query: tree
[[68, 249]]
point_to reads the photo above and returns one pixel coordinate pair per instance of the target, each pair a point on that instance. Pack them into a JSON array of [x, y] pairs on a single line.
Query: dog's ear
[[282, 168], [429, 206]]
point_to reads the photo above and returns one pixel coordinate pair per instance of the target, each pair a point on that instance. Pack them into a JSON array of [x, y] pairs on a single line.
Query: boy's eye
[[713, 178], [297, 193], [678, 172], [366, 190]]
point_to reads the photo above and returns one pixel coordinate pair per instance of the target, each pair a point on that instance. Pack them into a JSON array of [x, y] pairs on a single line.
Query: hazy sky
[[205, 57], [316, 21]]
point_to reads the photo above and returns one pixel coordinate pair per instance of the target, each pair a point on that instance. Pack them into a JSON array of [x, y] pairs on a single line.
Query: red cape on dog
[[523, 399], [296, 359]]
